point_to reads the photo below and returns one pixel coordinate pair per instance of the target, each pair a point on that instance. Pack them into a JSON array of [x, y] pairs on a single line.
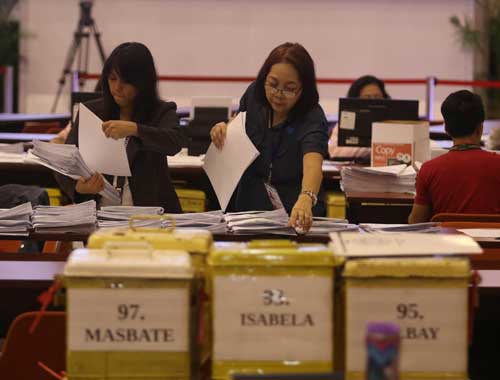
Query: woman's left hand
[[301, 216], [119, 129]]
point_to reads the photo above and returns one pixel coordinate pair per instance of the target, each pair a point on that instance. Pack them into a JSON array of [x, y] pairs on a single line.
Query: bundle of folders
[[153, 217], [394, 179], [79, 217], [119, 216], [16, 220], [67, 160]]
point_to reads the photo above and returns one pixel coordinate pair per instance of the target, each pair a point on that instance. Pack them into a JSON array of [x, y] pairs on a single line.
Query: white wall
[[347, 38]]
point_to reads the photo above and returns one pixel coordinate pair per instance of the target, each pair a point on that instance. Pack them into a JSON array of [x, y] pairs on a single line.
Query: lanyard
[[462, 147]]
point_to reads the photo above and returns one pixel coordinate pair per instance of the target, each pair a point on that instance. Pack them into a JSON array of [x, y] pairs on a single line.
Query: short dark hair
[[463, 111], [358, 84], [296, 55], [134, 64]]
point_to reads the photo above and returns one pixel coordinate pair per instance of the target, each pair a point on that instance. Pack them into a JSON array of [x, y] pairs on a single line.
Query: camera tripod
[[85, 29]]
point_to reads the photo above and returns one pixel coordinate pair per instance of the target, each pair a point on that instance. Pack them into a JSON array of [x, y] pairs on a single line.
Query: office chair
[[22, 350]]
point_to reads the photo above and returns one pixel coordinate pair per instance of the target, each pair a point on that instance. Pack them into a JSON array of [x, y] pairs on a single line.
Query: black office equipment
[[357, 115], [198, 129]]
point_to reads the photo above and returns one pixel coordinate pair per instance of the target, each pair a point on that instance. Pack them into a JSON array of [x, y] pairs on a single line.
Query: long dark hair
[[296, 55], [358, 84], [134, 64]]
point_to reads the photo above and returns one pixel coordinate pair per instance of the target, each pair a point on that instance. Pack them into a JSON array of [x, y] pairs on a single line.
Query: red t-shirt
[[461, 182]]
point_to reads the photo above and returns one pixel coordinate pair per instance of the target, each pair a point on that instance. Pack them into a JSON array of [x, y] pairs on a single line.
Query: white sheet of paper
[[481, 232], [225, 167], [353, 244], [102, 154]]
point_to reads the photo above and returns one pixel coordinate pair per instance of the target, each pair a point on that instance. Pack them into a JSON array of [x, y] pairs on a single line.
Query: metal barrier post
[[75, 81], [430, 92], [8, 89]]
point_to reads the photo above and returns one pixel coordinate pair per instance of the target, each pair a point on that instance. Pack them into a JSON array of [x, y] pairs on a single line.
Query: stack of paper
[[12, 148], [16, 221], [394, 179], [323, 226], [118, 216], [212, 221], [275, 221], [429, 227], [66, 159], [73, 218]]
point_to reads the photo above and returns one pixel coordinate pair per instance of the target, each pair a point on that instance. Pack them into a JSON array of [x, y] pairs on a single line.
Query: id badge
[[274, 197]]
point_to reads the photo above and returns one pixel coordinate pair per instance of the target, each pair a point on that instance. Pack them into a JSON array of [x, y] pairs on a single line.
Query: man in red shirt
[[467, 178]]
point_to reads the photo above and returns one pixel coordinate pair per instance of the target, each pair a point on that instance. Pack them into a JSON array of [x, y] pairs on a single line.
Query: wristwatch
[[311, 195]]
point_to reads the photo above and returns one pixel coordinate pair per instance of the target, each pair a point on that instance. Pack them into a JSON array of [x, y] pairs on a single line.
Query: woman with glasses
[[289, 128]]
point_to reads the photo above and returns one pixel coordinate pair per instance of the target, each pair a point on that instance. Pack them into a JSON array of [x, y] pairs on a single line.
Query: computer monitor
[[357, 115]]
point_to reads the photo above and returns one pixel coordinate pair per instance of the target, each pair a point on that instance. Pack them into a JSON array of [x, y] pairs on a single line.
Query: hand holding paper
[[225, 167], [119, 129], [100, 153]]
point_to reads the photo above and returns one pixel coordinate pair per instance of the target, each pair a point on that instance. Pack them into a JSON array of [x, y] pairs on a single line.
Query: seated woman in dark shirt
[[289, 128], [133, 112]]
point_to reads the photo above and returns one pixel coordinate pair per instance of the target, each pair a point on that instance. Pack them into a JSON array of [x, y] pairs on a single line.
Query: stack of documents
[[118, 216], [212, 221], [66, 159], [429, 227], [323, 226], [80, 217], [393, 179], [254, 222], [12, 148], [16, 221]]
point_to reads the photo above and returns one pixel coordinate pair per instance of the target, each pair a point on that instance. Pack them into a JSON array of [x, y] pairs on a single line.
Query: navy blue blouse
[[282, 149]]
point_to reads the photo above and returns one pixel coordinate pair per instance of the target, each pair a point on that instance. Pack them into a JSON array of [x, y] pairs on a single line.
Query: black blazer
[[150, 183], [284, 147]]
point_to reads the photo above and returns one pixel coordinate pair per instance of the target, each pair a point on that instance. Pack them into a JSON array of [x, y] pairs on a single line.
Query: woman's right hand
[[218, 134], [91, 185]]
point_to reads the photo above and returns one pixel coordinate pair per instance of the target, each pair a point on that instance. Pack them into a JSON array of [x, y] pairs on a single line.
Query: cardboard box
[[400, 142]]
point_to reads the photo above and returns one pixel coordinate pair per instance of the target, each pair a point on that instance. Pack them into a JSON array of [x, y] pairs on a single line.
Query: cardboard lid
[[129, 260], [191, 240], [271, 253], [431, 267]]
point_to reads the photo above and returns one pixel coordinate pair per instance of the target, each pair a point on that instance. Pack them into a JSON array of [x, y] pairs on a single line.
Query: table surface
[[366, 196]]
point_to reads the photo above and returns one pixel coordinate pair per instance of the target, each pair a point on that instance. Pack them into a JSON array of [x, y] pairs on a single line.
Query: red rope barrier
[[244, 79], [469, 83], [3, 70]]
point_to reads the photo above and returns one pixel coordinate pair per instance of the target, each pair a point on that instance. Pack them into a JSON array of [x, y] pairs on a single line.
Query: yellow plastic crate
[[129, 313], [426, 297], [335, 205], [272, 308], [55, 196], [191, 200]]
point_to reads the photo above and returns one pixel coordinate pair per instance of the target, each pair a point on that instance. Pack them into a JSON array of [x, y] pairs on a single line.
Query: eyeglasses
[[274, 90]]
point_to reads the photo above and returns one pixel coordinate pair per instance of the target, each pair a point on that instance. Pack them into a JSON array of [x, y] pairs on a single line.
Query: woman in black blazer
[[132, 110]]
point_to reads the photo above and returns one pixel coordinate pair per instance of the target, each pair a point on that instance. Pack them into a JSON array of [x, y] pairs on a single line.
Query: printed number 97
[[127, 311]]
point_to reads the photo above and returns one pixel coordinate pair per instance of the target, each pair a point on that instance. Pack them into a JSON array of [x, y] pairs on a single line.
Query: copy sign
[[384, 154], [433, 324], [273, 318], [128, 319]]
